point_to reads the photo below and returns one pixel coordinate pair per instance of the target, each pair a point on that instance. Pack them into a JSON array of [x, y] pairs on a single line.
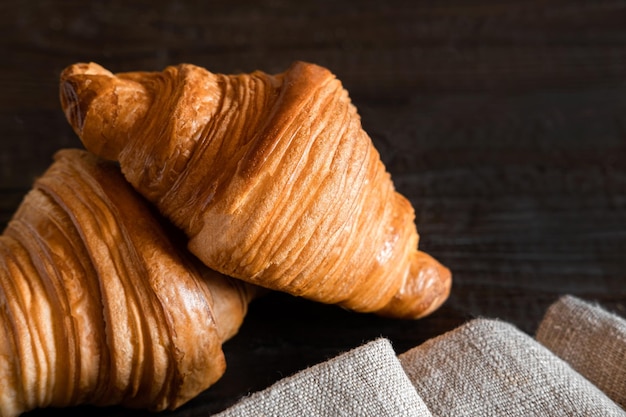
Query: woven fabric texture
[[575, 366], [366, 381], [490, 368], [591, 339]]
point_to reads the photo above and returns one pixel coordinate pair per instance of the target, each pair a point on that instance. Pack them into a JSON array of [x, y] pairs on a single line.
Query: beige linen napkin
[[366, 381], [489, 368], [591, 340], [483, 368]]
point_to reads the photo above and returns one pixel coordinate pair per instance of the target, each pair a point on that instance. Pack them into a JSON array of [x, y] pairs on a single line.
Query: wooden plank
[[504, 123]]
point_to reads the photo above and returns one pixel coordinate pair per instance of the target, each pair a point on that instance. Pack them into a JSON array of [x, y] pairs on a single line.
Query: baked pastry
[[100, 305], [271, 177]]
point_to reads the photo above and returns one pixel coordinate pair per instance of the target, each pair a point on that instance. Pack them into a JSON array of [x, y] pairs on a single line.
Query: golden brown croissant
[[271, 177], [99, 305]]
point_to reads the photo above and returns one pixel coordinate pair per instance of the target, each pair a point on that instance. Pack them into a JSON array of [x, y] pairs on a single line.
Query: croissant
[[99, 304], [271, 177]]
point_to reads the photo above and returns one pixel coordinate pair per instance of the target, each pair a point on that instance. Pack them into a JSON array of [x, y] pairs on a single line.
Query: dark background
[[504, 122]]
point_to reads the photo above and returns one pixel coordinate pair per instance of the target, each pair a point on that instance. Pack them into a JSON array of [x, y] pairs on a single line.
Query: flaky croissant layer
[[99, 305], [271, 177]]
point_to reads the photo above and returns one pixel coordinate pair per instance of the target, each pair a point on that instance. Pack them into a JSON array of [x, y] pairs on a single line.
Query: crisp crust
[[271, 177], [101, 305]]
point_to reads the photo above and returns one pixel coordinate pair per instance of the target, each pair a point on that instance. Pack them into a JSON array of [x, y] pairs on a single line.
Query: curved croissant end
[[89, 113], [271, 177]]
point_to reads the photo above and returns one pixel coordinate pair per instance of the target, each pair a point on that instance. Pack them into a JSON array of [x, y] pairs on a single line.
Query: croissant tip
[[441, 289], [72, 87], [425, 291]]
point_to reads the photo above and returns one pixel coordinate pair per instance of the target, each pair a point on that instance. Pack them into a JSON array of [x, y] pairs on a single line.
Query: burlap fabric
[[591, 339], [574, 367], [366, 381], [490, 368]]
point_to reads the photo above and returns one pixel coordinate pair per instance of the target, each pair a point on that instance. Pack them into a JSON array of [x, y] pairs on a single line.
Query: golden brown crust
[[100, 305], [271, 177]]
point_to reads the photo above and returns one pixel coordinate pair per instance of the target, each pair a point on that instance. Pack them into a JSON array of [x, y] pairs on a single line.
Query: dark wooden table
[[504, 122]]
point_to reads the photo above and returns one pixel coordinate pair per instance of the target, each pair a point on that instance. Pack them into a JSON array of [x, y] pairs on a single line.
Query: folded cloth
[[489, 368], [576, 366], [366, 381], [591, 339]]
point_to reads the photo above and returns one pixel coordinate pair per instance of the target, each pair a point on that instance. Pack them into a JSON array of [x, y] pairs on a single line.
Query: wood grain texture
[[504, 122]]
